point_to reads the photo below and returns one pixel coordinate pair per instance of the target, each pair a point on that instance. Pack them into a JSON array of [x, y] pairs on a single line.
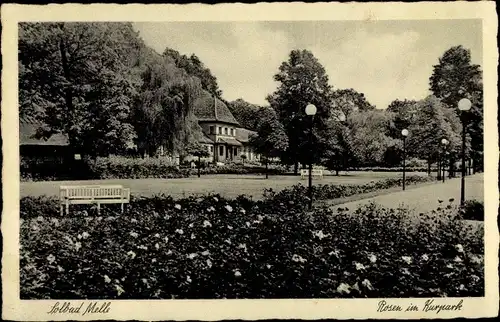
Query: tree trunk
[[429, 167], [199, 166], [295, 168], [267, 174], [439, 170], [68, 94]]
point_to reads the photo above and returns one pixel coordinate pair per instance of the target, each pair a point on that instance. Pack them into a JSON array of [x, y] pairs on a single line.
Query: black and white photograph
[[252, 159]]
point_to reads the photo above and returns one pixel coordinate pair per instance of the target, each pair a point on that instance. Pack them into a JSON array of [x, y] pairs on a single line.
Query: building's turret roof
[[208, 108]]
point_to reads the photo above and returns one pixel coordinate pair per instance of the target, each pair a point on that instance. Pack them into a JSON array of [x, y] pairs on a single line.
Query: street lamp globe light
[[464, 104], [444, 142], [404, 132], [311, 109]]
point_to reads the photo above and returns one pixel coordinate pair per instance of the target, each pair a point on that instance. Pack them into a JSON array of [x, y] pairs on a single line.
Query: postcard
[[250, 161]]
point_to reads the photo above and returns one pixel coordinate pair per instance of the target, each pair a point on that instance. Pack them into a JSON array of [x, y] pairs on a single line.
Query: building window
[[211, 148], [225, 130], [221, 150], [212, 129], [236, 151], [220, 130], [232, 132]]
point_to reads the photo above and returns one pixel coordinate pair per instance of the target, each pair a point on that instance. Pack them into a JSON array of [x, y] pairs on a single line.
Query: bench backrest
[[92, 192]]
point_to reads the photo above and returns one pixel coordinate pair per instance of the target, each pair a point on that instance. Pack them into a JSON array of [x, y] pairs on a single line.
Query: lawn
[[229, 186]]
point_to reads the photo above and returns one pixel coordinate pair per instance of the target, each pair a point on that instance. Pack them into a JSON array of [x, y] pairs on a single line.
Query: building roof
[[243, 135], [229, 141], [28, 127], [208, 108]]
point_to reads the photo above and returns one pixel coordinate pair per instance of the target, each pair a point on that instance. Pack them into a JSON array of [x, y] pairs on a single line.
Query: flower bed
[[333, 191], [215, 248]]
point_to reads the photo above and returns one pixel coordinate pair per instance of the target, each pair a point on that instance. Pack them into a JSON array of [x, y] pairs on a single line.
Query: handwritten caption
[[82, 308], [428, 306]]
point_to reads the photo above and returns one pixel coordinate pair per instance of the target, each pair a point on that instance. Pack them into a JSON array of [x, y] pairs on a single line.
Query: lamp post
[[310, 111], [463, 105], [445, 143], [404, 132]]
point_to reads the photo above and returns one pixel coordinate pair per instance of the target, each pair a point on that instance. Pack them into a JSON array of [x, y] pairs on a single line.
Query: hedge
[[215, 248], [334, 191]]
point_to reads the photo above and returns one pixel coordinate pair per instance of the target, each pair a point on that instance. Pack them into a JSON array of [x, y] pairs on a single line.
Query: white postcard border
[[35, 310]]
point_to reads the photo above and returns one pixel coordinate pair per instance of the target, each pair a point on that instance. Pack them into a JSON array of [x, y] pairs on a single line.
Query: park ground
[[423, 197], [229, 186]]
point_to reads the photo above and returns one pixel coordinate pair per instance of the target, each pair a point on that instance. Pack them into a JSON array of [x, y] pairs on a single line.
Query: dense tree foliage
[[163, 112], [77, 78], [302, 81], [454, 78], [195, 67], [99, 84], [349, 101], [271, 139], [432, 123], [368, 136], [247, 114]]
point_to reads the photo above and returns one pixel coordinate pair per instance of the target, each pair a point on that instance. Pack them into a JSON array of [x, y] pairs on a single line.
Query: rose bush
[[211, 247], [473, 210]]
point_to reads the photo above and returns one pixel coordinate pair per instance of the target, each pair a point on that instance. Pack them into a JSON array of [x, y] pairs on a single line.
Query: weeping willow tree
[[163, 113]]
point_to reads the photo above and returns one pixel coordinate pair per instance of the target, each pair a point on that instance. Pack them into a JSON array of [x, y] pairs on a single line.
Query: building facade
[[222, 135]]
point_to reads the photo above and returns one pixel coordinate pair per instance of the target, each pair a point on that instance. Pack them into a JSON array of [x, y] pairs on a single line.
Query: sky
[[385, 60]]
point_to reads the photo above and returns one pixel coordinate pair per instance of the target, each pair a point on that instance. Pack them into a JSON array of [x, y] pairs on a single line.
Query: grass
[[227, 185]]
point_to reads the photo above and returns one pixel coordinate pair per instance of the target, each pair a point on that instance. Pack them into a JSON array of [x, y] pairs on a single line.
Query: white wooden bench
[[95, 194], [318, 173]]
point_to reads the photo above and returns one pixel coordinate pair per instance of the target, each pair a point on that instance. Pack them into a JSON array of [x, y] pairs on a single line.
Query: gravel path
[[425, 198]]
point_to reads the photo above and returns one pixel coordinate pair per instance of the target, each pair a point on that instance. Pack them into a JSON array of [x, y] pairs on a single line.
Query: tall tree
[[367, 136], [195, 67], [433, 122], [454, 78], [76, 77], [247, 114], [271, 140], [163, 112], [403, 114], [302, 80], [349, 100]]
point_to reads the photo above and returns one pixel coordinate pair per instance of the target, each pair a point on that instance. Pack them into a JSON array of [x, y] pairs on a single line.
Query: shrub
[[473, 210], [238, 168], [393, 169], [136, 168], [211, 247]]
